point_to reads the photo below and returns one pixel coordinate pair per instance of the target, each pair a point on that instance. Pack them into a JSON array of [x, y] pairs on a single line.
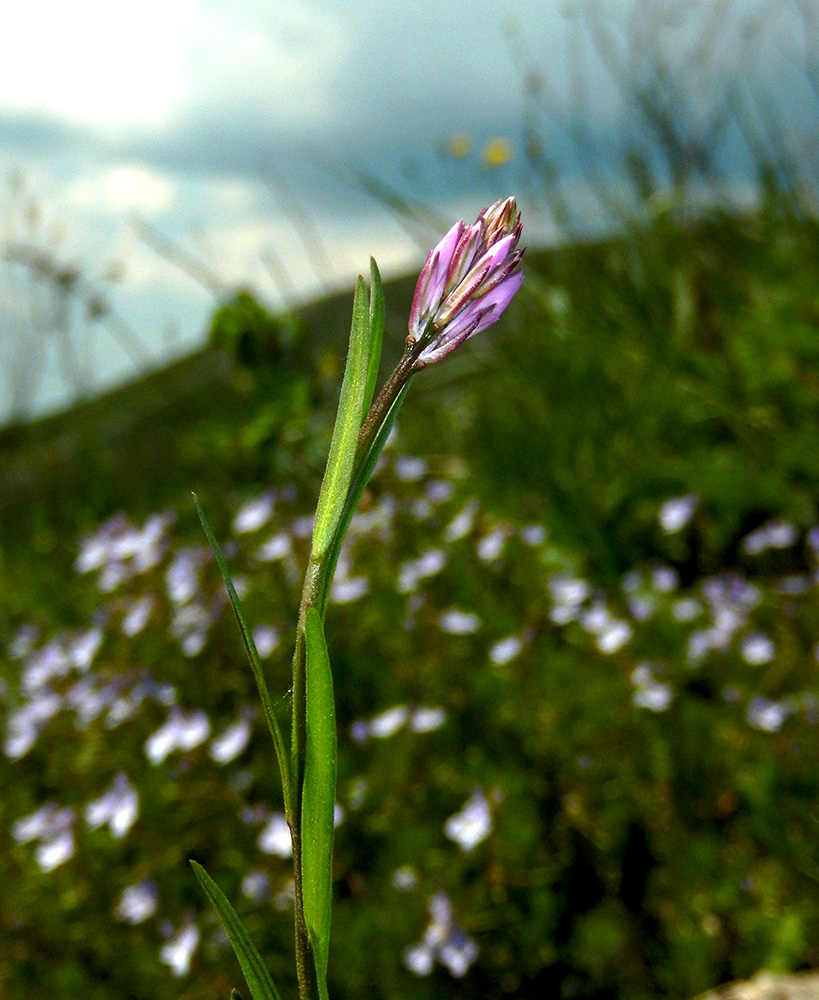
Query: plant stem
[[381, 407], [314, 594], [305, 968]]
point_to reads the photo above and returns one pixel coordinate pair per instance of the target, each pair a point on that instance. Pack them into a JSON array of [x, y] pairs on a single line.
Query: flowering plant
[[465, 285]]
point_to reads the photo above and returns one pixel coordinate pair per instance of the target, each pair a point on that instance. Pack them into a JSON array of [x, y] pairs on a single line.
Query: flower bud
[[467, 282]]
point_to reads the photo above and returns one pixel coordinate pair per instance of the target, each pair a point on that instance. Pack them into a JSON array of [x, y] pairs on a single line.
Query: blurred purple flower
[[138, 902], [472, 824], [118, 808], [467, 281], [443, 941], [178, 951]]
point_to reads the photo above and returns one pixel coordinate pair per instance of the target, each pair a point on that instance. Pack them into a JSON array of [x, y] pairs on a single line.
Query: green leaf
[[349, 418], [319, 793], [255, 662], [357, 487], [256, 973], [376, 334]]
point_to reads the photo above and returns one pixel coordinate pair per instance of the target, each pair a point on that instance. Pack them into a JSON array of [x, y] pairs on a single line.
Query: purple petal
[[500, 273], [465, 253], [455, 334], [477, 315], [489, 270], [499, 297], [467, 289], [431, 281]]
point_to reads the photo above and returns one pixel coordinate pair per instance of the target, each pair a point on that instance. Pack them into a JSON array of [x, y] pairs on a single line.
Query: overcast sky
[[224, 125]]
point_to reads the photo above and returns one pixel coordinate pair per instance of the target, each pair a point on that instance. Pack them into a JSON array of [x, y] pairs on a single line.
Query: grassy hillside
[[574, 640]]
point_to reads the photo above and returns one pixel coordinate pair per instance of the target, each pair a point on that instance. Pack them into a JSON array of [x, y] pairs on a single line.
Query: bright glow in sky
[[95, 62], [112, 65]]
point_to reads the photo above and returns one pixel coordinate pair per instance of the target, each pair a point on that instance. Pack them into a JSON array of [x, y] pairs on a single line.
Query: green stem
[[406, 367], [314, 594], [304, 966]]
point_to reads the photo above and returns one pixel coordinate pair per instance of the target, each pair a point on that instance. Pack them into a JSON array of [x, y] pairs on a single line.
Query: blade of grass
[[377, 312], [258, 978], [255, 662], [318, 798], [351, 410]]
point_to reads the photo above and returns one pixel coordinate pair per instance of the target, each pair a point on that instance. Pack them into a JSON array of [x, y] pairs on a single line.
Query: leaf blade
[[341, 457], [318, 796], [255, 662], [377, 313], [257, 975]]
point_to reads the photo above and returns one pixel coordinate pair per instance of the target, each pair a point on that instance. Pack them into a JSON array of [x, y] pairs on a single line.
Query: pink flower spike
[[467, 282]]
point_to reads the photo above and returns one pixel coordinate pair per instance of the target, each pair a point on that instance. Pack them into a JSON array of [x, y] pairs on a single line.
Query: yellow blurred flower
[[497, 152]]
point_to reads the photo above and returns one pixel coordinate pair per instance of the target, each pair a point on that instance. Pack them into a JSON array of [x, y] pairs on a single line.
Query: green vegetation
[[626, 714]]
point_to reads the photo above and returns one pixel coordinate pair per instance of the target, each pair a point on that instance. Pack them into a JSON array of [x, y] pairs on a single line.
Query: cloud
[[93, 62], [122, 189], [216, 85], [225, 124]]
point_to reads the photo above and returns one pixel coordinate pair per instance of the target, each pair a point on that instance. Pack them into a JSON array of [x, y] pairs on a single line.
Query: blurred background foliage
[[578, 611]]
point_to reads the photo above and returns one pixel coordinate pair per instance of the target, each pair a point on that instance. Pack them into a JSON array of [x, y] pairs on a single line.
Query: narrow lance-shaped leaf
[[255, 662], [376, 334], [318, 799], [257, 975], [341, 458]]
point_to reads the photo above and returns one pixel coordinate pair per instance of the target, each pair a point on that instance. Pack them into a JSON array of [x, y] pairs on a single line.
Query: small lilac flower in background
[[650, 693], [178, 951], [462, 523], [256, 886], [410, 469], [266, 638], [443, 941], [253, 515], [138, 902], [181, 731], [467, 281], [53, 828], [505, 650], [117, 808], [676, 512], [769, 716], [388, 723], [774, 534], [458, 622], [427, 719], [275, 837], [137, 614], [231, 742], [757, 649], [472, 824]]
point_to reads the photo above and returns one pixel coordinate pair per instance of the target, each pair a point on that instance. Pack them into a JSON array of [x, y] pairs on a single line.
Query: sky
[[177, 149]]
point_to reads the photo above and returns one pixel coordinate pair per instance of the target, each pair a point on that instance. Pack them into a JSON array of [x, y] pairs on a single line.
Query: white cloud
[[118, 66], [172, 111], [92, 61], [121, 189]]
